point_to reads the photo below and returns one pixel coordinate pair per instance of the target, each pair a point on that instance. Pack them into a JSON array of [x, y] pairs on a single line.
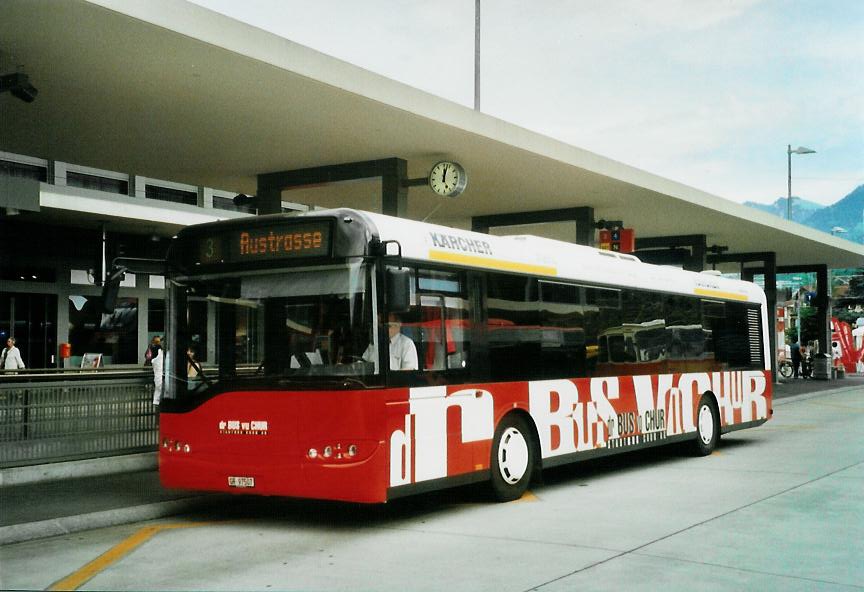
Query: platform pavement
[[50, 500]]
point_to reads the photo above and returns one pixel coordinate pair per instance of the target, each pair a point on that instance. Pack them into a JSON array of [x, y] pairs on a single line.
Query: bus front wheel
[[514, 454], [707, 427]]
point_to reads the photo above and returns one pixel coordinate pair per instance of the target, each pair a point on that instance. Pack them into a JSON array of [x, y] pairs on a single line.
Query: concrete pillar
[[584, 218], [771, 297], [63, 287], [269, 201], [141, 285], [394, 193], [56, 172], [585, 226], [392, 171], [823, 302], [137, 186], [205, 197], [669, 250]]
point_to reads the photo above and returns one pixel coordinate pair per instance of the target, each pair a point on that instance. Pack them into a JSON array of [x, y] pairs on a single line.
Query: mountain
[[801, 208], [848, 213]]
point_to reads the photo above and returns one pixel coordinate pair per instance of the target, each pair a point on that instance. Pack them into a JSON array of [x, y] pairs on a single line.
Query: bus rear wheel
[[707, 427], [514, 454]]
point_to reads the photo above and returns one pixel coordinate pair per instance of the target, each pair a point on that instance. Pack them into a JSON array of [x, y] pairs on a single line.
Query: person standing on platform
[[10, 359], [157, 360], [836, 358], [795, 350]]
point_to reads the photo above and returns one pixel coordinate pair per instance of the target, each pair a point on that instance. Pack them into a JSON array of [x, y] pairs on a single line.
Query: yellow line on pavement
[[119, 551], [528, 497]]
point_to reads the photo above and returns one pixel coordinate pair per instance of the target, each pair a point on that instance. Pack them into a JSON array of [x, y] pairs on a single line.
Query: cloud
[[622, 21], [707, 92]]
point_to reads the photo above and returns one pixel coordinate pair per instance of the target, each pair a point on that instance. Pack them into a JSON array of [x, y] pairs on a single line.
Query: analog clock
[[448, 179]]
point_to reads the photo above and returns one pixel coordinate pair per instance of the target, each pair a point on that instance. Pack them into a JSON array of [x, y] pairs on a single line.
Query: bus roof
[[551, 259]]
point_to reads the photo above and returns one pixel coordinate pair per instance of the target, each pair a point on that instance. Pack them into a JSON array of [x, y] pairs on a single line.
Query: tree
[[809, 326]]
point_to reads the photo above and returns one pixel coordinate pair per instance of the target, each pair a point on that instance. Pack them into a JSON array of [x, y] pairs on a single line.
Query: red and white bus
[[530, 353]]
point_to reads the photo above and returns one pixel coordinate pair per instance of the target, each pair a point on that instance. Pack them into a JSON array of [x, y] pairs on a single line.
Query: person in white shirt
[[157, 360], [10, 359], [836, 355], [403, 352]]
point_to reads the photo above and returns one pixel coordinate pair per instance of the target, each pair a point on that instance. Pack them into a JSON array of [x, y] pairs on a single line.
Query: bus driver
[[403, 352]]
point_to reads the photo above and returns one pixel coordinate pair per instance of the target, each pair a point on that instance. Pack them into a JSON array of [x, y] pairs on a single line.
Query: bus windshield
[[292, 323]]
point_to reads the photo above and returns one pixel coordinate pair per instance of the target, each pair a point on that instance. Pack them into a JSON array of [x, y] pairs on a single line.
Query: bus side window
[[439, 320], [430, 333], [562, 329], [513, 328], [714, 319]]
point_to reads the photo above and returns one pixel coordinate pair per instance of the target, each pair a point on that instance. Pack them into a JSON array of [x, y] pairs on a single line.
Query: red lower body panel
[[260, 443], [366, 446]]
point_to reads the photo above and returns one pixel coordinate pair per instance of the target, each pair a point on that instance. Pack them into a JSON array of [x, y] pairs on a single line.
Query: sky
[[705, 92]]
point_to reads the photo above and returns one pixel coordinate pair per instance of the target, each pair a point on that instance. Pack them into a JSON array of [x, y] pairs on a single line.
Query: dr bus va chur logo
[[236, 427]]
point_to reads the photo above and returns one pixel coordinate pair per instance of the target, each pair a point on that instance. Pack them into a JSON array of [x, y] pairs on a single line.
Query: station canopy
[[169, 90]]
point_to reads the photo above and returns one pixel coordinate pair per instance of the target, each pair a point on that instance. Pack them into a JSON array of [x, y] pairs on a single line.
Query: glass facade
[[49, 296], [32, 320], [114, 335], [97, 183]]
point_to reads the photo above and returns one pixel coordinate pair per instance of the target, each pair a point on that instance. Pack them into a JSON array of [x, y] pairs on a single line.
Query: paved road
[[780, 507]]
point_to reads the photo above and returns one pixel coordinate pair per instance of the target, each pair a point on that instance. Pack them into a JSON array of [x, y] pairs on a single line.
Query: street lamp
[[789, 153]]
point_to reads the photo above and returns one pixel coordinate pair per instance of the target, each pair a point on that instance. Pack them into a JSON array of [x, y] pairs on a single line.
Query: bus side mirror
[[398, 290]]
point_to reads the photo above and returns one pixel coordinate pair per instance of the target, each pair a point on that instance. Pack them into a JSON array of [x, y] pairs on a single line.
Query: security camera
[[26, 93], [19, 85]]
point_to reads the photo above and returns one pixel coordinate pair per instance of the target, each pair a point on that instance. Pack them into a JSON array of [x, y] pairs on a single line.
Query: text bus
[[529, 353]]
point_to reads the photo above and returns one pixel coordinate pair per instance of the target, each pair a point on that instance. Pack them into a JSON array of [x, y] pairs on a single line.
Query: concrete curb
[[17, 533], [128, 463], [813, 395]]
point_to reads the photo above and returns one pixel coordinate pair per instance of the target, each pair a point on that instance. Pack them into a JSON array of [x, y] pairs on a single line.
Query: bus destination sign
[[286, 241]]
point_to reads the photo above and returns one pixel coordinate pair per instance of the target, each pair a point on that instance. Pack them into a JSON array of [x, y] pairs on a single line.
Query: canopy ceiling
[[170, 90]]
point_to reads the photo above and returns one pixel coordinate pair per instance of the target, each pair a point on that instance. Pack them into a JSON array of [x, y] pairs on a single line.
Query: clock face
[[448, 179]]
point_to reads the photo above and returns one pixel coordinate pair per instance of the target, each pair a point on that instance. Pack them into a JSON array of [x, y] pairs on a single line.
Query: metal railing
[[50, 417]]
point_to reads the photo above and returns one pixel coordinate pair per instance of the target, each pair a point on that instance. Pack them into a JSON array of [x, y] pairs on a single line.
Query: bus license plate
[[241, 481]]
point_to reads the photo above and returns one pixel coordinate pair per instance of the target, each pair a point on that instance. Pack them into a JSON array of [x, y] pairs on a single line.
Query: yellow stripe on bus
[[720, 294], [491, 263]]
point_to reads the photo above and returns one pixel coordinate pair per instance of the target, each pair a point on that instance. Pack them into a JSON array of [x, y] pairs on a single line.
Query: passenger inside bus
[[403, 352], [193, 368]]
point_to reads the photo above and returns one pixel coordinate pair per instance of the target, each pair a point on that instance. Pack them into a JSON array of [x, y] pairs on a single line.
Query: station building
[[57, 243]]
